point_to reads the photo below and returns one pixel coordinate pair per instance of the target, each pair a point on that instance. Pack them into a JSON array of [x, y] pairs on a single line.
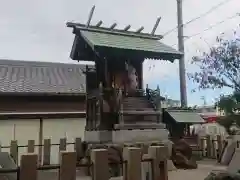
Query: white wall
[[54, 129]]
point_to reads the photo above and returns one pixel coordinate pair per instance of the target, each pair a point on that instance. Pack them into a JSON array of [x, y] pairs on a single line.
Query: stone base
[[142, 126], [98, 136], [126, 136]]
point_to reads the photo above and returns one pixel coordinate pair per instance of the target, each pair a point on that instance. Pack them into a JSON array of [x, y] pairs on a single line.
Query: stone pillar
[[68, 161], [100, 170], [132, 170], [160, 155], [28, 167]]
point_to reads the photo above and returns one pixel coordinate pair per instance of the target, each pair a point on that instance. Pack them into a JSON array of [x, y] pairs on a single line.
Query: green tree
[[218, 68]]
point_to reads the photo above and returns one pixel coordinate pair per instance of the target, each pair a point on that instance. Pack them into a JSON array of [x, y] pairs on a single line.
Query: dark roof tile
[[41, 77]]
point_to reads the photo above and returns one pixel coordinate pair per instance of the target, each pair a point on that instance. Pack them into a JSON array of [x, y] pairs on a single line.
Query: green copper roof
[[150, 46], [186, 117]]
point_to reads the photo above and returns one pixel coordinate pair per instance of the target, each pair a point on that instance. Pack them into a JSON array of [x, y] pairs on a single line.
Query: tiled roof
[[41, 77]]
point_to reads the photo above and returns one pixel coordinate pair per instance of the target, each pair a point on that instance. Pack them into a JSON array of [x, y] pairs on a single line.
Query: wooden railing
[[119, 105], [154, 97]]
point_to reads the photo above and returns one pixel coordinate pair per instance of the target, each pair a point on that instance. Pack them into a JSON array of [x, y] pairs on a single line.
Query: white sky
[[35, 29]]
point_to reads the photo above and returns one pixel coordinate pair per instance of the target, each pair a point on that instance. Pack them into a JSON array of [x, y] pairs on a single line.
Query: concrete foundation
[[126, 136]]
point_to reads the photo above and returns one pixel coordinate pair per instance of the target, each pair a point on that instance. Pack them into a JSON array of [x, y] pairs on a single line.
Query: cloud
[[35, 29], [156, 70]]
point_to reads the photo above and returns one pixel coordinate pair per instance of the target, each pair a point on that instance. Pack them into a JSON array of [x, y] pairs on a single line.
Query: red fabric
[[210, 119]]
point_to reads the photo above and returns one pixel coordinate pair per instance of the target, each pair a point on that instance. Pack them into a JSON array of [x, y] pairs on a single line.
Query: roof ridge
[[8, 61]]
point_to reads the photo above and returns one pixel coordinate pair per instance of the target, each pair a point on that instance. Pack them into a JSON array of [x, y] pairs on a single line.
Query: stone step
[[144, 112]]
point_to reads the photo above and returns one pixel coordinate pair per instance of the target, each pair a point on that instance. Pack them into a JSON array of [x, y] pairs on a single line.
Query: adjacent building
[[41, 100]]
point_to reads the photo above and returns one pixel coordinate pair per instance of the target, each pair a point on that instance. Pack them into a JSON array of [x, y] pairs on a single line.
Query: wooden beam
[[79, 26], [155, 26], [113, 25], [99, 24], [140, 29], [90, 16], [127, 28]]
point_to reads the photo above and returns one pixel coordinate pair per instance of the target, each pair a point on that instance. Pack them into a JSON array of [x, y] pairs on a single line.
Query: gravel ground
[[204, 168]]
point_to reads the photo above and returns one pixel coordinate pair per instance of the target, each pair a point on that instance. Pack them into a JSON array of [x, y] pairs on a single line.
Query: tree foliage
[[220, 67], [229, 103], [227, 122]]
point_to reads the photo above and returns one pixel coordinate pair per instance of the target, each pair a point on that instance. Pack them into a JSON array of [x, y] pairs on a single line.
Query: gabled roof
[[186, 117], [41, 77], [136, 44]]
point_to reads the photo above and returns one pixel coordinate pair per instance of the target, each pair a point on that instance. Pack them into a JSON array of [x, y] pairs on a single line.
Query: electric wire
[[199, 17], [211, 27]]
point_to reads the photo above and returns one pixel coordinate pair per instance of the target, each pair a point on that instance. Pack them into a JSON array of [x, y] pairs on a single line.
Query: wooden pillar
[[100, 118], [93, 120], [106, 78], [40, 140], [90, 115]]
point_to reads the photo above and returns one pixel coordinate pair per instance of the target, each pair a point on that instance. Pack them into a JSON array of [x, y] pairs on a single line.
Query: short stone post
[[160, 155], [28, 167], [100, 170], [213, 154], [208, 139], [219, 145], [132, 170], [68, 161], [201, 146]]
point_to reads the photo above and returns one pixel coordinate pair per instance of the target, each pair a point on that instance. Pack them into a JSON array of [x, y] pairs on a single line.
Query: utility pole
[[182, 71]]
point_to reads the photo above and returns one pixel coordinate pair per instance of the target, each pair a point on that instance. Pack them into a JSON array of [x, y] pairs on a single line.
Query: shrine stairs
[[139, 110]]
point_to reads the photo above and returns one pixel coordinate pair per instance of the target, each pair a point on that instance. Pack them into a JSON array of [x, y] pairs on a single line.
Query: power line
[[198, 17], [211, 27]]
